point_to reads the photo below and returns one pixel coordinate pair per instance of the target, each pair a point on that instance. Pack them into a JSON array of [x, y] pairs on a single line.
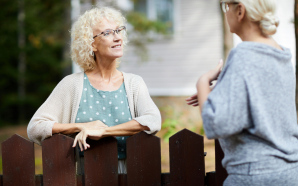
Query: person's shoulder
[[238, 60], [132, 78], [71, 81], [235, 57], [72, 78], [240, 52]]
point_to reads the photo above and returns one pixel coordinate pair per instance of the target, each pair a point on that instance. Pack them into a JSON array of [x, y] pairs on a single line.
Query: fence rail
[[187, 165]]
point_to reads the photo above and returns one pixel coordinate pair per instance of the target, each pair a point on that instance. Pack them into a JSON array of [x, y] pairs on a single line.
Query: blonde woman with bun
[[251, 109]]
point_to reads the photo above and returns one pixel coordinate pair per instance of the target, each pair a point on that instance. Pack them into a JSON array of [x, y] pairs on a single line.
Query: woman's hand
[[209, 76], [81, 137], [213, 74], [193, 100], [93, 130], [203, 86]]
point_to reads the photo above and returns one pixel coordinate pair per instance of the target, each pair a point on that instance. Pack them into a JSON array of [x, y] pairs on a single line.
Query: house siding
[[175, 64]]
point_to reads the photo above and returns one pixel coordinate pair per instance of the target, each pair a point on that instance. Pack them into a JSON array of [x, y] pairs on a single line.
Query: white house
[[196, 45]]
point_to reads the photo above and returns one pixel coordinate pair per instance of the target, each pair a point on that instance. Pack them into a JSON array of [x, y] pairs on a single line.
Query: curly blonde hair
[[82, 34]]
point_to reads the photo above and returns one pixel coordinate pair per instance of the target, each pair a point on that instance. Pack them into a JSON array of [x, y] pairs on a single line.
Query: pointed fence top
[[185, 133]]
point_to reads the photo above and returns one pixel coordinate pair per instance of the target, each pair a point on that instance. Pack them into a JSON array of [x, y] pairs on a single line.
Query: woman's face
[[107, 46]]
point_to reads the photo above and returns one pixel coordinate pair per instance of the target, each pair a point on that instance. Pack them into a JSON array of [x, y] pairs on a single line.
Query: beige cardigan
[[63, 103]]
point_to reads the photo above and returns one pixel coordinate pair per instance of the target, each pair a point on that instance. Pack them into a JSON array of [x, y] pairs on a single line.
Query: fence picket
[[187, 165], [210, 179], [221, 173], [80, 180], [122, 180], [58, 159], [18, 161], [101, 162], [165, 179], [187, 162], [38, 180], [143, 160]]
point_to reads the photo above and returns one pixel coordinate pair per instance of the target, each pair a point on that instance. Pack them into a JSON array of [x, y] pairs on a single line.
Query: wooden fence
[[187, 165]]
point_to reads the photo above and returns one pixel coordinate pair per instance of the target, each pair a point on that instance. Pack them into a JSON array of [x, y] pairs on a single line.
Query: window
[[161, 10]]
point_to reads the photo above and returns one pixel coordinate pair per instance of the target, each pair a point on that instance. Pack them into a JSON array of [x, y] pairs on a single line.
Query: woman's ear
[[240, 12], [94, 48]]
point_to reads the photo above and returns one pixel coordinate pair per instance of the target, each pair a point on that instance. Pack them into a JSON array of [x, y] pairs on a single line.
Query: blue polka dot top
[[110, 107]]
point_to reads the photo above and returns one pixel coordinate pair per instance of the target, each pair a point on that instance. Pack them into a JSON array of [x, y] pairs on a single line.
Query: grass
[[38, 165]]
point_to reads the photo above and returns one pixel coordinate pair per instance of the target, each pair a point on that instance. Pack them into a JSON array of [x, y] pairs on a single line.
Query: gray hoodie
[[252, 111]]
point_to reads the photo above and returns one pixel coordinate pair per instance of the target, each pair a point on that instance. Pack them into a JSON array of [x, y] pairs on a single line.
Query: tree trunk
[[67, 66], [22, 61]]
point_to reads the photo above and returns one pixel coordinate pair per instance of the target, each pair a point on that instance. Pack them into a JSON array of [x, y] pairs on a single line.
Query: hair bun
[[269, 24]]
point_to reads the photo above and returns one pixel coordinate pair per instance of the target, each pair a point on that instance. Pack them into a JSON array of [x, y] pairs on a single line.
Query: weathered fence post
[[187, 162], [221, 173], [217, 177], [58, 160], [143, 160], [101, 162], [187, 165], [210, 179], [18, 161]]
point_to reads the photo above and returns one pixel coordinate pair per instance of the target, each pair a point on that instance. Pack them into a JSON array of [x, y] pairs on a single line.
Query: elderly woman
[[101, 101], [251, 109]]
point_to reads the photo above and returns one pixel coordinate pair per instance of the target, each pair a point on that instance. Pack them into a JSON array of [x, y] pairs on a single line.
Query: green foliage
[[202, 131], [144, 31], [170, 124], [143, 25], [38, 165], [45, 32]]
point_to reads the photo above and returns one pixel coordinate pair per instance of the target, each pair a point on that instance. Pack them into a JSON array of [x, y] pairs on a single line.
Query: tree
[[32, 46], [22, 59]]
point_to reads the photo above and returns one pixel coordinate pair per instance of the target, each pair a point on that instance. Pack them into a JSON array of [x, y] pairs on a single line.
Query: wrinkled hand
[[209, 76], [93, 130], [84, 134], [193, 100]]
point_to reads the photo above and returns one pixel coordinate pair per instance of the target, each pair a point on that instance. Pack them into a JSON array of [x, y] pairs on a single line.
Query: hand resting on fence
[[126, 129]]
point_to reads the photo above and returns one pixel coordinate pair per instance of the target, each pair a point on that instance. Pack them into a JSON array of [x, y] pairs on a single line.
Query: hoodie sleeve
[[226, 111]]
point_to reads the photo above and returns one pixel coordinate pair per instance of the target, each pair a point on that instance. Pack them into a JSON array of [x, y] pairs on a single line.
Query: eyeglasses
[[225, 5], [110, 32]]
